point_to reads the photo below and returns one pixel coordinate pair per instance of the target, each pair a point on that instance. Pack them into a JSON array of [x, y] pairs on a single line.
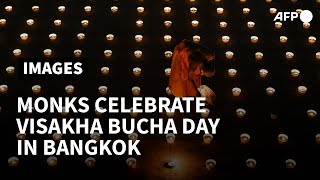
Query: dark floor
[[189, 151]]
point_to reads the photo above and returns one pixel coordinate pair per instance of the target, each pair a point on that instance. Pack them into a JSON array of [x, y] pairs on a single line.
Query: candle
[[104, 70], [295, 73], [3, 22], [36, 89], [136, 71], [13, 161], [167, 71], [107, 53], [10, 70], [270, 91], [52, 161], [47, 52], [302, 90], [140, 9], [290, 163], [254, 39], [194, 23], [90, 161], [138, 54], [95, 136], [21, 136], [207, 138], [110, 37], [167, 10], [24, 36], [84, 23], [311, 113], [77, 53], [251, 163], [283, 39], [81, 36], [289, 55], [211, 164], [250, 24], [57, 137], [193, 10], [114, 9], [138, 38], [258, 55], [244, 138], [8, 8], [168, 54], [61, 8], [30, 22], [312, 39], [263, 73], [240, 113], [245, 10], [282, 138], [220, 10], [35, 8], [139, 23], [206, 113], [236, 92], [17, 52], [167, 38], [196, 38], [273, 10], [223, 24], [136, 91], [103, 90], [225, 39], [278, 25], [167, 24], [229, 54], [306, 25], [87, 9], [131, 162], [133, 137], [170, 138], [52, 36], [232, 72], [57, 22]]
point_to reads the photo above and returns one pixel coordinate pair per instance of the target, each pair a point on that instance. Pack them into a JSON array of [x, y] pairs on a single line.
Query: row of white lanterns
[[36, 89], [168, 38], [168, 54], [132, 162], [170, 138], [139, 23]]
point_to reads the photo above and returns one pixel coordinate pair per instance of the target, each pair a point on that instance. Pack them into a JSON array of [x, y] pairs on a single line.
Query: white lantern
[[295, 73], [211, 164], [289, 55], [139, 23], [270, 91], [167, 71], [273, 11], [95, 136], [30, 22], [110, 37], [167, 38], [206, 113], [167, 24], [99, 113], [140, 9], [136, 91], [57, 137], [229, 54], [167, 10], [77, 53], [245, 10], [194, 23], [258, 55], [8, 8], [131, 162], [250, 24], [290, 163], [232, 72], [21, 136], [57, 22], [64, 111], [268, 1], [318, 138], [318, 55], [168, 54], [35, 8], [24, 36], [90, 162], [236, 92], [263, 73], [52, 161], [103, 90], [138, 54], [302, 90], [81, 36], [240, 113], [52, 36], [251, 163], [17, 52], [133, 137], [87, 9], [244, 138], [61, 8], [3, 22], [196, 38], [136, 71], [10, 70], [225, 39], [114, 9], [220, 10], [84, 23], [47, 52], [254, 39], [243, 1], [282, 138], [69, 89], [107, 53], [193, 10], [283, 39], [138, 38], [299, 11], [13, 161], [311, 113], [170, 137], [132, 113], [306, 25], [278, 25], [3, 89], [170, 114], [312, 39], [207, 138], [168, 91], [105, 70], [223, 24], [36, 89]]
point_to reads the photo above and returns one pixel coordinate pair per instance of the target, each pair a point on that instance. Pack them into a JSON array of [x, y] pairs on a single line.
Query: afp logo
[[306, 16]]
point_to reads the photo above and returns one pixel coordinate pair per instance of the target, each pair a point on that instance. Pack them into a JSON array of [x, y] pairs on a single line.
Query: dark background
[[226, 149]]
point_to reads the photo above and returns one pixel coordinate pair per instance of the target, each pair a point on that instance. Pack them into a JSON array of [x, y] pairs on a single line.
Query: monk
[[190, 61]]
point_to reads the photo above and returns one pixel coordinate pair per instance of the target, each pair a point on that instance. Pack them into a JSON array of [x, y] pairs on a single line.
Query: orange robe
[[179, 82]]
